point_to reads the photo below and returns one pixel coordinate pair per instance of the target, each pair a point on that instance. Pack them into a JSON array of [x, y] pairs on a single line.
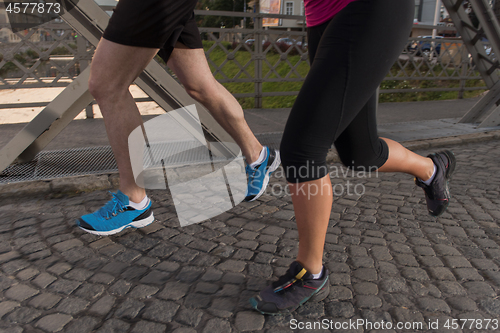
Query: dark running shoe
[[437, 194], [291, 290]]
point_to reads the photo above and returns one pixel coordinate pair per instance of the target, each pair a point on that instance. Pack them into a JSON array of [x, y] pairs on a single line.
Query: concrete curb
[[89, 183]]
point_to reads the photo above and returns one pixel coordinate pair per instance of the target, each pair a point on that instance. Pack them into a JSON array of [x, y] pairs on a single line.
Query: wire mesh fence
[[263, 67]]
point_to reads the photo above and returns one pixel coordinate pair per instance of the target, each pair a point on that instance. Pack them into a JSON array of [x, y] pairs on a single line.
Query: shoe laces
[[286, 282], [250, 171], [112, 207]]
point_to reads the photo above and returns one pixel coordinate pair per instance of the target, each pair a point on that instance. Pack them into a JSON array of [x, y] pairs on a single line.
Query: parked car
[[250, 41], [487, 49], [285, 42], [423, 47]]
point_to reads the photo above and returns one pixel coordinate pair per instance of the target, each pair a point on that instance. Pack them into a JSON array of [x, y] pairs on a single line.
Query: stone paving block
[[413, 273], [90, 291], [114, 325], [78, 274], [365, 288], [236, 278], [429, 261], [129, 309], [387, 268], [7, 306], [102, 278], [20, 292], [441, 273], [155, 277], [249, 321], [456, 262], [115, 267], [477, 289], [484, 264], [491, 305], [82, 325], [431, 304], [143, 291], [366, 274], [217, 325], [53, 322], [340, 279], [340, 293], [486, 243], [362, 262], [406, 260], [235, 266], [467, 274], [462, 303], [338, 267], [67, 245], [422, 289], [339, 309], [8, 256], [103, 305], [64, 286], [22, 315], [394, 285], [72, 306], [14, 266], [357, 251], [147, 326], [424, 251], [446, 250], [223, 307], [120, 287], [184, 330], [400, 248], [493, 276], [189, 317]]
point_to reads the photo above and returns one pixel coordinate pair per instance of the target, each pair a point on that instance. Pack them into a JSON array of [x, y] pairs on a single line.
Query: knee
[[97, 87], [202, 90], [301, 164], [102, 88], [360, 161]]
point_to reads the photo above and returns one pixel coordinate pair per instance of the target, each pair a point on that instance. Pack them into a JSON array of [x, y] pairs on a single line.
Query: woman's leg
[[356, 50], [312, 202], [404, 160]]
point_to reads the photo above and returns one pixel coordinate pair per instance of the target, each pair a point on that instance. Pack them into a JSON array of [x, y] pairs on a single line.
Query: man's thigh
[[115, 62]]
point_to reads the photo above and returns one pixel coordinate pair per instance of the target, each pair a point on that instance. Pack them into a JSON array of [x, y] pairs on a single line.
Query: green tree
[[220, 21]]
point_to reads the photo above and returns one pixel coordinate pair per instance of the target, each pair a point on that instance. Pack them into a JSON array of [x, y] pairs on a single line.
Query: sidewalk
[[91, 132], [389, 260]]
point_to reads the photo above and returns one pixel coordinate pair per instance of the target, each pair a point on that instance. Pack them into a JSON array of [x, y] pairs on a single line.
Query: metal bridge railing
[[255, 63]]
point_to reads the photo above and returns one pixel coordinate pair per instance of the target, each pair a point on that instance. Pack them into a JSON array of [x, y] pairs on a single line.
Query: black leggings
[[350, 55]]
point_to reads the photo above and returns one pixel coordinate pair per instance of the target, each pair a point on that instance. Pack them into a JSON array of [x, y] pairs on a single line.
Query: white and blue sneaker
[[258, 176], [115, 216]]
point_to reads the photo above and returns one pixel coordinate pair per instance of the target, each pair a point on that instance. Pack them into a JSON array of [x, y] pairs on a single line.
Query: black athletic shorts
[[154, 23]]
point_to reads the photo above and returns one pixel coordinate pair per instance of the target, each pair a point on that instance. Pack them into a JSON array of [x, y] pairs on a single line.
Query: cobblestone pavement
[[389, 260]]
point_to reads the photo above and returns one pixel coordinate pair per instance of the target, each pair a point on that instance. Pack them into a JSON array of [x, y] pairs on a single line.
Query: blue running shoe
[[115, 216], [292, 290], [258, 177]]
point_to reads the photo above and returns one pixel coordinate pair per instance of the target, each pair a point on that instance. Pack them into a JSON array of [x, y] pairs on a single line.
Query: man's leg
[[114, 67], [191, 67]]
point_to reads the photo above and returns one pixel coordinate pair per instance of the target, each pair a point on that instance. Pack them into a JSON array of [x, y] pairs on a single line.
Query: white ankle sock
[[317, 276], [141, 205], [261, 158], [429, 181]]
